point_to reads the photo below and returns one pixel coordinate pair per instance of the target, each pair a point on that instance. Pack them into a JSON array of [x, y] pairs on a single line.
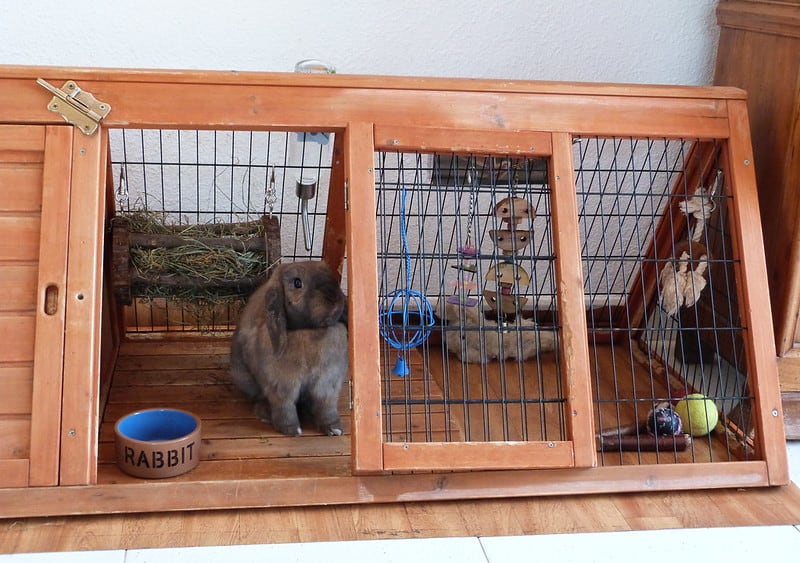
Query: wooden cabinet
[[759, 51]]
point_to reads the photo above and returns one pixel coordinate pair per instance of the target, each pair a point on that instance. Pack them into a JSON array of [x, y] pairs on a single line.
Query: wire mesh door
[[472, 281], [669, 357], [472, 371]]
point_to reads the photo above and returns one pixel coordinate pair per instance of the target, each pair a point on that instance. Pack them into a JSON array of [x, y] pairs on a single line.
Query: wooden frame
[[494, 116]]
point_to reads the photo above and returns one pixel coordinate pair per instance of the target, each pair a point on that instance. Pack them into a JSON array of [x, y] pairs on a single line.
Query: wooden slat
[[14, 438], [19, 237], [328, 468], [281, 447], [169, 376], [189, 362], [20, 187], [51, 308], [82, 324], [14, 473], [18, 287], [16, 334], [171, 394], [20, 138], [109, 76], [16, 388], [485, 455], [574, 348], [754, 295], [431, 139], [227, 489], [296, 103], [362, 292], [171, 344], [334, 243]]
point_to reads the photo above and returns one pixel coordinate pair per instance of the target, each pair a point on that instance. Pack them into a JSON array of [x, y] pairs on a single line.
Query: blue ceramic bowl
[[158, 443]]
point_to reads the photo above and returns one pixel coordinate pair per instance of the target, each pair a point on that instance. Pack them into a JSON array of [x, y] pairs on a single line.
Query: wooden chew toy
[[643, 443]]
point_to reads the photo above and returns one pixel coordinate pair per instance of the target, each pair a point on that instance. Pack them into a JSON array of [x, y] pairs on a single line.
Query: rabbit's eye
[[298, 283]]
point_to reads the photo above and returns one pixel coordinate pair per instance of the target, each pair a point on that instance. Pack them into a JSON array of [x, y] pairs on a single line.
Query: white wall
[[640, 41]]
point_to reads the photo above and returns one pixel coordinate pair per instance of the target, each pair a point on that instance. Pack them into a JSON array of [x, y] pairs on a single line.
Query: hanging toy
[[512, 210], [406, 315], [462, 290], [683, 280], [468, 252], [700, 206], [507, 278]]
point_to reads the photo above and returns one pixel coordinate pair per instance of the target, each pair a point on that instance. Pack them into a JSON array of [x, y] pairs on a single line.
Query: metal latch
[[76, 106]]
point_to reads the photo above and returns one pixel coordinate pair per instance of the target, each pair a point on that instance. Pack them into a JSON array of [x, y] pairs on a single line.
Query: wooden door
[[35, 165], [431, 418], [49, 316]]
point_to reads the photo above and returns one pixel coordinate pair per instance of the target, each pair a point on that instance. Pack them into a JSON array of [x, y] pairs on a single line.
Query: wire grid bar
[[201, 177], [458, 389], [652, 212]]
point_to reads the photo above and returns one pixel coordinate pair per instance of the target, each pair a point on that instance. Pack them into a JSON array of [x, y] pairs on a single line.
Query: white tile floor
[[775, 544]]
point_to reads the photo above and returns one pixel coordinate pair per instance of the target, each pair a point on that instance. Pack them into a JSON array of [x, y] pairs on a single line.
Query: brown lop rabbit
[[289, 351]]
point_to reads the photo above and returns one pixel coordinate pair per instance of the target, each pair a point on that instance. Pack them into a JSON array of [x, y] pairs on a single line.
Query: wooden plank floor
[[192, 375]]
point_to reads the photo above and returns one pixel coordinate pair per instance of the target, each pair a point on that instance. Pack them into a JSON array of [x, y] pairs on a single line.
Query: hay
[[194, 272]]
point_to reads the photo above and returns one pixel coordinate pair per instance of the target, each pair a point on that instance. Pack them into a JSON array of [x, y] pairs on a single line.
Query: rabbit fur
[[519, 340], [290, 351]]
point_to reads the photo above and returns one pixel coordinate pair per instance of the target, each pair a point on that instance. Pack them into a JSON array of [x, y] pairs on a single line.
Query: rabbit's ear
[[275, 309]]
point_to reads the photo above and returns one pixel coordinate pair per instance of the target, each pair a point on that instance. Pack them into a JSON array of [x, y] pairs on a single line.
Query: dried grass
[[194, 260]]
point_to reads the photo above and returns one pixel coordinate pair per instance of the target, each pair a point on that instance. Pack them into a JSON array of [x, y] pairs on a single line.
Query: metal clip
[[76, 106]]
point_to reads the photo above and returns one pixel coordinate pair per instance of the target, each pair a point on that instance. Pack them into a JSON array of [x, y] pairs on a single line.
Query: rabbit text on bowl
[[289, 351]]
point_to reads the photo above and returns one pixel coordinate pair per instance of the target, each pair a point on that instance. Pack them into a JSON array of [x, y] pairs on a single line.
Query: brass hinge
[[76, 106]]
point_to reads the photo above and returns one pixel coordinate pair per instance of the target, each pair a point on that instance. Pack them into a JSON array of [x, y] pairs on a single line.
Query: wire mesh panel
[[204, 184], [665, 334], [469, 319]]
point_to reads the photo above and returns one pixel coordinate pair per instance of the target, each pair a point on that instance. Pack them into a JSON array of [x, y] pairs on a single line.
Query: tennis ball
[[698, 413]]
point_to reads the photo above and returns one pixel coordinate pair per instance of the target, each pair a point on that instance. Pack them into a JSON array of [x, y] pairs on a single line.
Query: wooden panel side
[[574, 348], [51, 306], [362, 279], [767, 65], [21, 150], [773, 18], [83, 311], [754, 292]]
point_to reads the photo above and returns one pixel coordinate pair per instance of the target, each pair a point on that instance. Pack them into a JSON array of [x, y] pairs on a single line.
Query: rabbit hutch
[[552, 288]]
